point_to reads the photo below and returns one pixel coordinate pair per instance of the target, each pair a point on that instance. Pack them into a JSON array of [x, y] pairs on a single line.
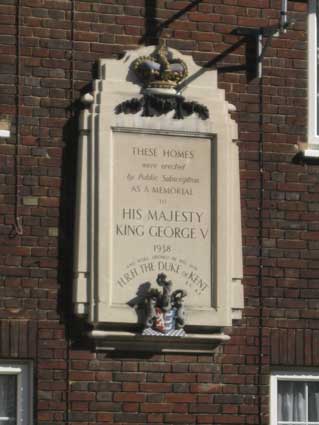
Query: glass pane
[[291, 401], [313, 391], [8, 399]]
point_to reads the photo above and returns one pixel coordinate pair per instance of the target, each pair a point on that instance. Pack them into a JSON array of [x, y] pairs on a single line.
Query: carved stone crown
[[159, 70]]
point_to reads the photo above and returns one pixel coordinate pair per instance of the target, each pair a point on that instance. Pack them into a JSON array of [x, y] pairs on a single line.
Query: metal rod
[[283, 16], [260, 55]]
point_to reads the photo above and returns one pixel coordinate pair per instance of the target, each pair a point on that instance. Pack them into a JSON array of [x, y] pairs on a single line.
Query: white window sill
[[311, 149], [311, 153], [4, 133]]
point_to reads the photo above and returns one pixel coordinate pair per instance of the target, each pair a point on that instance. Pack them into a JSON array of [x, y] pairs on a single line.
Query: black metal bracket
[[257, 35]]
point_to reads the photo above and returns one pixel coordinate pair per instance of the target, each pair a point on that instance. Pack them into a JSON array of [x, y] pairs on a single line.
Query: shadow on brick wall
[[75, 328]]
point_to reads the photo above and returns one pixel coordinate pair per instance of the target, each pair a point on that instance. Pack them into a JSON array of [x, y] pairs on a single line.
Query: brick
[[183, 377], [130, 417], [180, 418], [36, 284], [180, 398], [129, 397], [82, 376], [155, 387], [30, 200]]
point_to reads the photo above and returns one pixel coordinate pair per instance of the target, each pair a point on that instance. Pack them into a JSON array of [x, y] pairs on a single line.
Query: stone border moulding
[[160, 105]]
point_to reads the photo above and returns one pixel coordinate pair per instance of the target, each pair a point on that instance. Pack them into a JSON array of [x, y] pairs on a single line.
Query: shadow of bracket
[[213, 64], [153, 29]]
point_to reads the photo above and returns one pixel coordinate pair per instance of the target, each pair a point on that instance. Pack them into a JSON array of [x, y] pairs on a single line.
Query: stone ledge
[[129, 341]]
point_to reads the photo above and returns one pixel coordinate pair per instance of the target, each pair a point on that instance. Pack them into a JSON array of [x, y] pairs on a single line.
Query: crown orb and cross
[[160, 73]]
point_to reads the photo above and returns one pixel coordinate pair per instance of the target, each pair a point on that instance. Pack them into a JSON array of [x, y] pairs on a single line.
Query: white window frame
[[313, 125], [286, 376], [23, 373]]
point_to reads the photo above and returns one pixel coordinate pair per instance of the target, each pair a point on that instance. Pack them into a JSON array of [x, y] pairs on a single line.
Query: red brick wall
[[60, 40]]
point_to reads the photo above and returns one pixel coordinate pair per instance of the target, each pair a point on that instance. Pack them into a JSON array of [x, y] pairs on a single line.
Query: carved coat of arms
[[164, 310]]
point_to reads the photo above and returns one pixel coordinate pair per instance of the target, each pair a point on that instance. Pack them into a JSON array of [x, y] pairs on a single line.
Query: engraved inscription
[[162, 214]]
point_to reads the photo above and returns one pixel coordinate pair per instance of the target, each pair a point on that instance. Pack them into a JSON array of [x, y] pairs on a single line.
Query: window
[[294, 399], [15, 394], [313, 110]]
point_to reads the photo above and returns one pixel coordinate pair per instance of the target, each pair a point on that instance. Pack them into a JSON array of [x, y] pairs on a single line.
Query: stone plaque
[[162, 210], [157, 192]]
